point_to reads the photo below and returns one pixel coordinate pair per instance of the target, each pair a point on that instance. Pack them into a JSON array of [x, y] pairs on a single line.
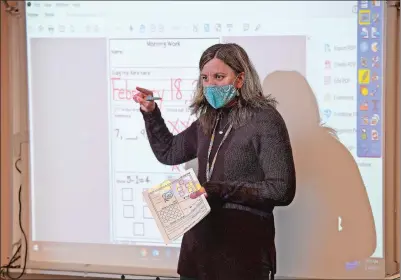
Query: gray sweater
[[254, 172]]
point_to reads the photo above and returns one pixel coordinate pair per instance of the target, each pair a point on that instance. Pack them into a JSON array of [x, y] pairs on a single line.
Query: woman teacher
[[245, 164]]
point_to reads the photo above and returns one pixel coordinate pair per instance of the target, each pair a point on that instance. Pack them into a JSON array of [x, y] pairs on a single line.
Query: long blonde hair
[[250, 94]]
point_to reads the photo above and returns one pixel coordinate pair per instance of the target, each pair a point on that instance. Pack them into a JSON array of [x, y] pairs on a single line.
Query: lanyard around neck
[[210, 168]]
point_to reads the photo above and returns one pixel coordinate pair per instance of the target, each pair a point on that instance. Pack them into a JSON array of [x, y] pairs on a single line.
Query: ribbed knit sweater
[[254, 172]]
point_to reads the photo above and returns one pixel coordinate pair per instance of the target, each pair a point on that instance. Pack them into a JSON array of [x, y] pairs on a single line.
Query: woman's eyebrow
[[216, 73], [213, 74]]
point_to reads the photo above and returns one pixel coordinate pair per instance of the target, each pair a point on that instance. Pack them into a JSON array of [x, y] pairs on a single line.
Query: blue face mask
[[219, 96]]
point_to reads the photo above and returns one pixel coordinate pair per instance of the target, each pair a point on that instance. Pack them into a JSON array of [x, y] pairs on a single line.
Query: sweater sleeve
[[272, 144], [170, 149]]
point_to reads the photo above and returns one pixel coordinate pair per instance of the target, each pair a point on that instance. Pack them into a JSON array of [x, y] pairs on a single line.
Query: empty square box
[[146, 213], [127, 194], [128, 211]]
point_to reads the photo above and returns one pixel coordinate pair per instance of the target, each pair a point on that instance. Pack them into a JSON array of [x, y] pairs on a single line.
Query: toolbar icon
[[364, 90], [375, 120], [376, 3], [364, 106], [364, 76], [364, 47], [375, 47], [364, 135], [375, 17], [365, 120], [375, 61], [375, 135], [375, 105], [327, 64], [364, 17], [143, 252], [364, 62], [375, 91], [364, 4], [364, 33], [375, 33], [326, 114], [155, 253]]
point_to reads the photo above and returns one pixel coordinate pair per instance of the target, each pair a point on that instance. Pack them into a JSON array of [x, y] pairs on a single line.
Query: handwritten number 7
[[118, 133]]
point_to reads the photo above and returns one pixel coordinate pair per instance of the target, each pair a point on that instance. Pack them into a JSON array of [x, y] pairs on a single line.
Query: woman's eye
[[219, 77]]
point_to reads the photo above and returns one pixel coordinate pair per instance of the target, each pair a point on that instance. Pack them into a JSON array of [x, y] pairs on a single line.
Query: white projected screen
[[90, 159]]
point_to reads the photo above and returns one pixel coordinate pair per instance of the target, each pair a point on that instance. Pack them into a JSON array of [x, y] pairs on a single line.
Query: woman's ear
[[239, 82]]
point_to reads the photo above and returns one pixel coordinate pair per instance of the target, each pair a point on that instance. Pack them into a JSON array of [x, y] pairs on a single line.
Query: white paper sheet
[[172, 208]]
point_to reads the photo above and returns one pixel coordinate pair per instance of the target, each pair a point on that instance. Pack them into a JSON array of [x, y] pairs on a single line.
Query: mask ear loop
[[236, 89]]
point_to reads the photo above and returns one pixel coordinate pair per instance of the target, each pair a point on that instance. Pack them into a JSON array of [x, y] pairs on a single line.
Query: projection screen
[[90, 159]]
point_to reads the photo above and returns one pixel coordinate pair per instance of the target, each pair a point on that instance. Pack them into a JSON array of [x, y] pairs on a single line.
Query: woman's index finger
[[144, 90]]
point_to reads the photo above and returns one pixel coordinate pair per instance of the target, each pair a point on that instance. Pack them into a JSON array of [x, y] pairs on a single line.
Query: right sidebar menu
[[370, 79]]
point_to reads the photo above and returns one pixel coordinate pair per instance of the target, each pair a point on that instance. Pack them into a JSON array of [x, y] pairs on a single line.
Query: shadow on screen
[[330, 221]]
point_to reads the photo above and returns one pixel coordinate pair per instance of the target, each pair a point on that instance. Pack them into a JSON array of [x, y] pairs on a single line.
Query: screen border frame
[[19, 96]]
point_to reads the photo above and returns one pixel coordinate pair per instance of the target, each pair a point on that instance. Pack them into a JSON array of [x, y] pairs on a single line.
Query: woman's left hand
[[213, 193], [211, 190], [198, 193]]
